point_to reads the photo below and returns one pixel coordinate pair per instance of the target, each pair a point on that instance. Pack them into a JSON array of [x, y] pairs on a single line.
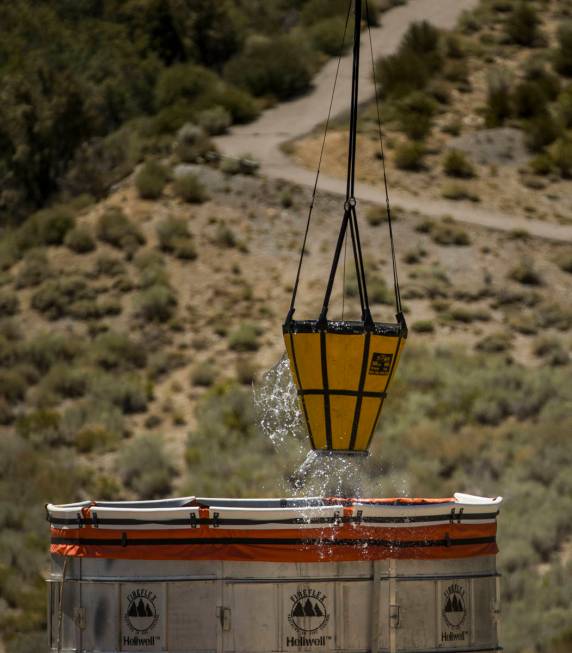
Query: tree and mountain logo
[[308, 612], [455, 608], [141, 615]]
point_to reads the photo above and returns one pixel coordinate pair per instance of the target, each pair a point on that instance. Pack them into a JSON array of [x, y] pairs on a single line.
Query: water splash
[[280, 419]]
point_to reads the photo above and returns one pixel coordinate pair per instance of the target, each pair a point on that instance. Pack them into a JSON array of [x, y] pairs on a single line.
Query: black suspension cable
[[312, 201], [398, 306]]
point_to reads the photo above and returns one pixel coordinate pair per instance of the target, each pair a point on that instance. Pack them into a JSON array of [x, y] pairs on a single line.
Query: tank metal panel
[[402, 606]]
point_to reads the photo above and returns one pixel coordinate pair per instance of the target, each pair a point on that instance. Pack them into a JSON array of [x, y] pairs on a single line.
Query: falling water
[[282, 422]]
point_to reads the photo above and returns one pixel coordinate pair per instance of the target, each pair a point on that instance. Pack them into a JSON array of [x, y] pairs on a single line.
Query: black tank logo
[[455, 609], [308, 612], [380, 364], [141, 615]]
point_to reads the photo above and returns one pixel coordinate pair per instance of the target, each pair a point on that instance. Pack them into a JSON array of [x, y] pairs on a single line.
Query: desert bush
[[47, 227], [41, 428], [56, 298], [174, 237], [108, 266], [551, 350], [563, 53], [190, 189], [522, 24], [215, 120], [423, 326], [327, 35], [499, 101], [9, 303], [245, 371], [525, 273], [80, 240], [379, 293], [203, 375], [564, 260], [542, 130], [415, 115], [409, 156], [542, 164], [145, 467], [244, 338], [564, 107], [279, 67], [95, 438], [376, 215], [34, 269], [117, 351], [457, 192], [191, 143], [495, 343], [128, 392], [13, 385], [46, 349], [561, 156], [115, 228], [224, 236], [447, 232], [157, 303], [67, 382], [466, 315], [150, 180], [456, 164], [529, 100]]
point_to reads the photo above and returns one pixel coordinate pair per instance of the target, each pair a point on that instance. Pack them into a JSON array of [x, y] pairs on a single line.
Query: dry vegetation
[[132, 328]]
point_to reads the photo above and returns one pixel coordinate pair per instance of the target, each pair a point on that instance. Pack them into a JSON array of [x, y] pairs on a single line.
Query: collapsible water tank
[[263, 575]]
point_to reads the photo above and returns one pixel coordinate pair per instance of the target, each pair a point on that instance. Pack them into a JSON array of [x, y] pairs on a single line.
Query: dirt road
[[262, 139]]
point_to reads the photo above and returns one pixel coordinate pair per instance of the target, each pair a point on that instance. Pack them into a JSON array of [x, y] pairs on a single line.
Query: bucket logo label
[[308, 612], [380, 364], [141, 615], [454, 611]]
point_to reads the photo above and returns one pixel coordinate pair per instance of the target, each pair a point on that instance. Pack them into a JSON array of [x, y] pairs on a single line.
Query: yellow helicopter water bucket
[[342, 372], [341, 369]]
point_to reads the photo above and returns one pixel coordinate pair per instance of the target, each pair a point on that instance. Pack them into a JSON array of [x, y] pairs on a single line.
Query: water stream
[[310, 473]]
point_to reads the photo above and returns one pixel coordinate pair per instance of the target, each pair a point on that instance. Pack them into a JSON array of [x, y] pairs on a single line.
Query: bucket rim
[[346, 327]]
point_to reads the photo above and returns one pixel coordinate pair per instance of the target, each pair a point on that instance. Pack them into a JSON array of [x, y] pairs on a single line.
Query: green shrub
[[66, 381], [456, 164], [80, 240], [224, 237], [203, 375], [415, 115], [542, 164], [13, 385], [157, 303], [40, 427], [245, 338], [495, 343], [46, 349], [190, 189], [108, 266], [278, 67], [564, 107], [561, 155], [423, 326], [174, 237], [215, 120], [409, 156], [128, 392], [95, 438], [376, 215], [326, 36], [401, 73], [522, 24], [34, 269], [49, 226], [245, 371], [564, 260], [114, 228], [529, 100], [447, 232], [542, 130], [457, 192], [145, 467], [525, 273], [379, 293], [499, 104], [56, 298], [150, 180], [192, 143], [551, 350], [9, 303], [563, 54], [117, 351]]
